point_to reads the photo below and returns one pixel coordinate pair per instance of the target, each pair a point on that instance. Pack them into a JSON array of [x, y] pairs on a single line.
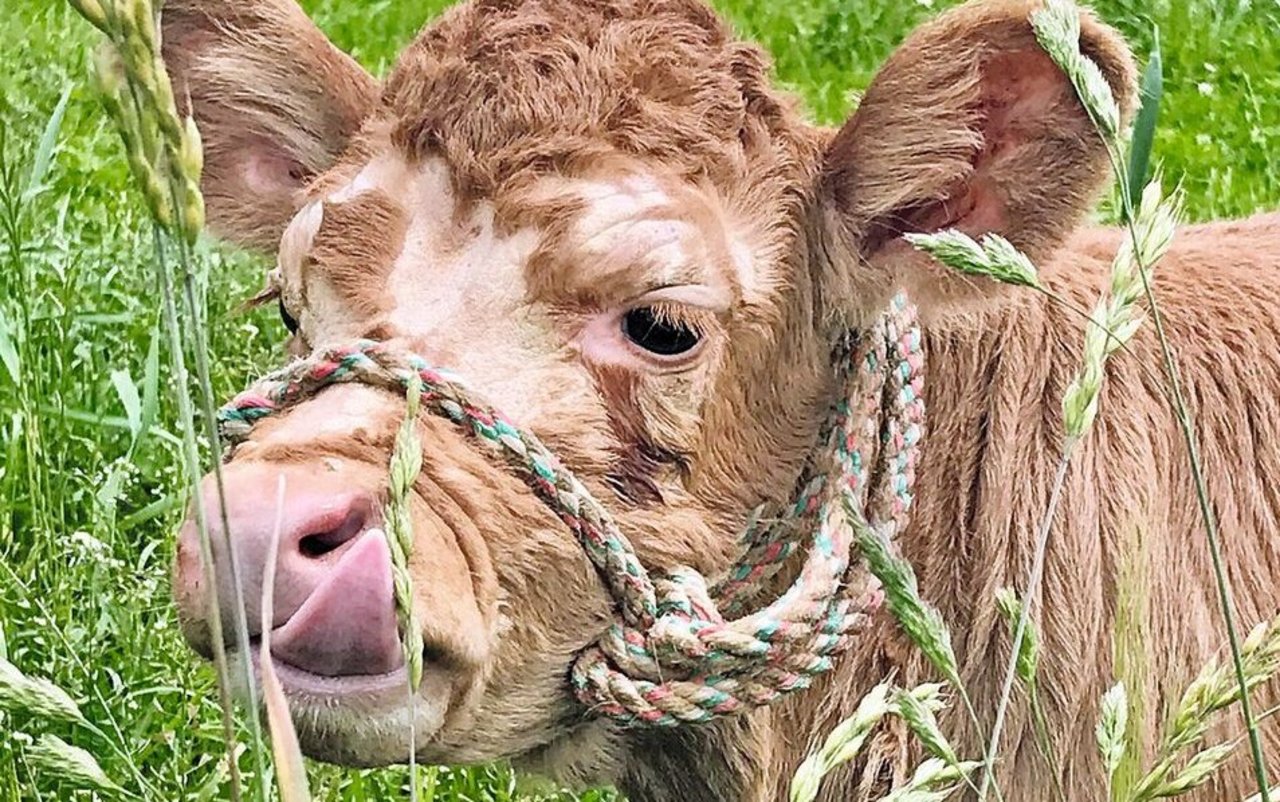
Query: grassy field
[[90, 478]]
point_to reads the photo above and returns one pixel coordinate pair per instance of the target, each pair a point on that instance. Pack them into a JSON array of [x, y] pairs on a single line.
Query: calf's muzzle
[[333, 612]]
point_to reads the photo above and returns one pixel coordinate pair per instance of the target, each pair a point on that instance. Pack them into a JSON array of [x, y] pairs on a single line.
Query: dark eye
[[289, 322], [657, 333]]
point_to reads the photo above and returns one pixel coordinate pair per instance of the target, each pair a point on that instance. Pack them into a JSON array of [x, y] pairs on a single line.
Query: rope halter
[[682, 649]]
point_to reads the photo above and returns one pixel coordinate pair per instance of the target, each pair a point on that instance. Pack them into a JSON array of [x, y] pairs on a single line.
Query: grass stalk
[[1028, 598], [291, 771], [406, 464], [27, 383], [1187, 428], [200, 349], [165, 153], [1041, 723], [920, 621], [191, 458], [1057, 27]]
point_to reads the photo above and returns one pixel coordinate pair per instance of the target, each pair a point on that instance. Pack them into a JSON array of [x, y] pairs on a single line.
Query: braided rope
[[677, 653]]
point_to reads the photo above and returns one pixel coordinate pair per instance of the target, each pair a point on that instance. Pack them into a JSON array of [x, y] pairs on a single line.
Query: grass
[[90, 463]]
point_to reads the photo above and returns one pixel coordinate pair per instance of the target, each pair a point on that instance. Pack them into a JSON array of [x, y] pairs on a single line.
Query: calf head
[[601, 215]]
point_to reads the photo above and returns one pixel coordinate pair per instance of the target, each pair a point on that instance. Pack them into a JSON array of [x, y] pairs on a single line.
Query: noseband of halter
[[683, 648]]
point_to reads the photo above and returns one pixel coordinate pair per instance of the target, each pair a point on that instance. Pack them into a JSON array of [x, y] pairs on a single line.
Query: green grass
[[87, 506]]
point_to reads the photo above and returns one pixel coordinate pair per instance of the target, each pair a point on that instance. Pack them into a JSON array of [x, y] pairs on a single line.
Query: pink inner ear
[[267, 171], [1019, 89]]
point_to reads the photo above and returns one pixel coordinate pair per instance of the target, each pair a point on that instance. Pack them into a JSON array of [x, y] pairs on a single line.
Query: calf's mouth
[[333, 632]]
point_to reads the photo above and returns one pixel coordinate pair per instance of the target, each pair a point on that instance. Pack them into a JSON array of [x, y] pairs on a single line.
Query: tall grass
[[91, 465]]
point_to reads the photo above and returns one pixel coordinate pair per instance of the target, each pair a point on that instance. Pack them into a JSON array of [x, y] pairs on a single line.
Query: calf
[[601, 215]]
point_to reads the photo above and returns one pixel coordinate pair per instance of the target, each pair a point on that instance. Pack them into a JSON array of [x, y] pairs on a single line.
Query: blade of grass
[[9, 350], [129, 399], [200, 348], [48, 141], [191, 456], [1144, 126], [156, 508], [150, 385], [109, 421], [1028, 597], [291, 774]]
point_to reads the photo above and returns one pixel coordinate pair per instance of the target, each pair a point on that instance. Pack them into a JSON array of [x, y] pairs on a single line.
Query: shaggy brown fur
[[967, 125]]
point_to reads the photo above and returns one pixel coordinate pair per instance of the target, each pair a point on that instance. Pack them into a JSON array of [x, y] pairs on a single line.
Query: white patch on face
[[743, 260], [460, 288], [295, 243], [347, 408], [297, 240], [383, 173], [323, 306], [629, 221]]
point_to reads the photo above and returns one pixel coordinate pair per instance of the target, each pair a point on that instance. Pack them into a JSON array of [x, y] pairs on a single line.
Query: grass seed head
[[1057, 28], [843, 744], [933, 781], [1157, 220], [1010, 607], [930, 695], [995, 257], [847, 739], [1215, 687], [1117, 318], [93, 12], [1195, 773], [807, 779], [921, 621], [35, 696], [406, 464], [71, 765], [162, 147], [924, 725], [1113, 721]]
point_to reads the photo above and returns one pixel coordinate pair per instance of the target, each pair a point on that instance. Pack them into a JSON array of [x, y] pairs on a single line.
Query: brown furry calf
[[603, 216]]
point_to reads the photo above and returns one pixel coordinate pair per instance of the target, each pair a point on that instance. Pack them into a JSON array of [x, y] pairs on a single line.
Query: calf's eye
[[659, 333], [289, 322]]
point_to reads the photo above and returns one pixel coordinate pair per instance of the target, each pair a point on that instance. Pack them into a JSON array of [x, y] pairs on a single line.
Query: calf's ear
[[275, 101], [968, 125]]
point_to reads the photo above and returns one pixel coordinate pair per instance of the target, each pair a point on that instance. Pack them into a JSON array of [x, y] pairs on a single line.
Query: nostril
[[319, 544]]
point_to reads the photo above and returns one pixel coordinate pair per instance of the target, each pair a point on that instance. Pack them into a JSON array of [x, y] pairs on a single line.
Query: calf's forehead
[[521, 147], [395, 239]]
